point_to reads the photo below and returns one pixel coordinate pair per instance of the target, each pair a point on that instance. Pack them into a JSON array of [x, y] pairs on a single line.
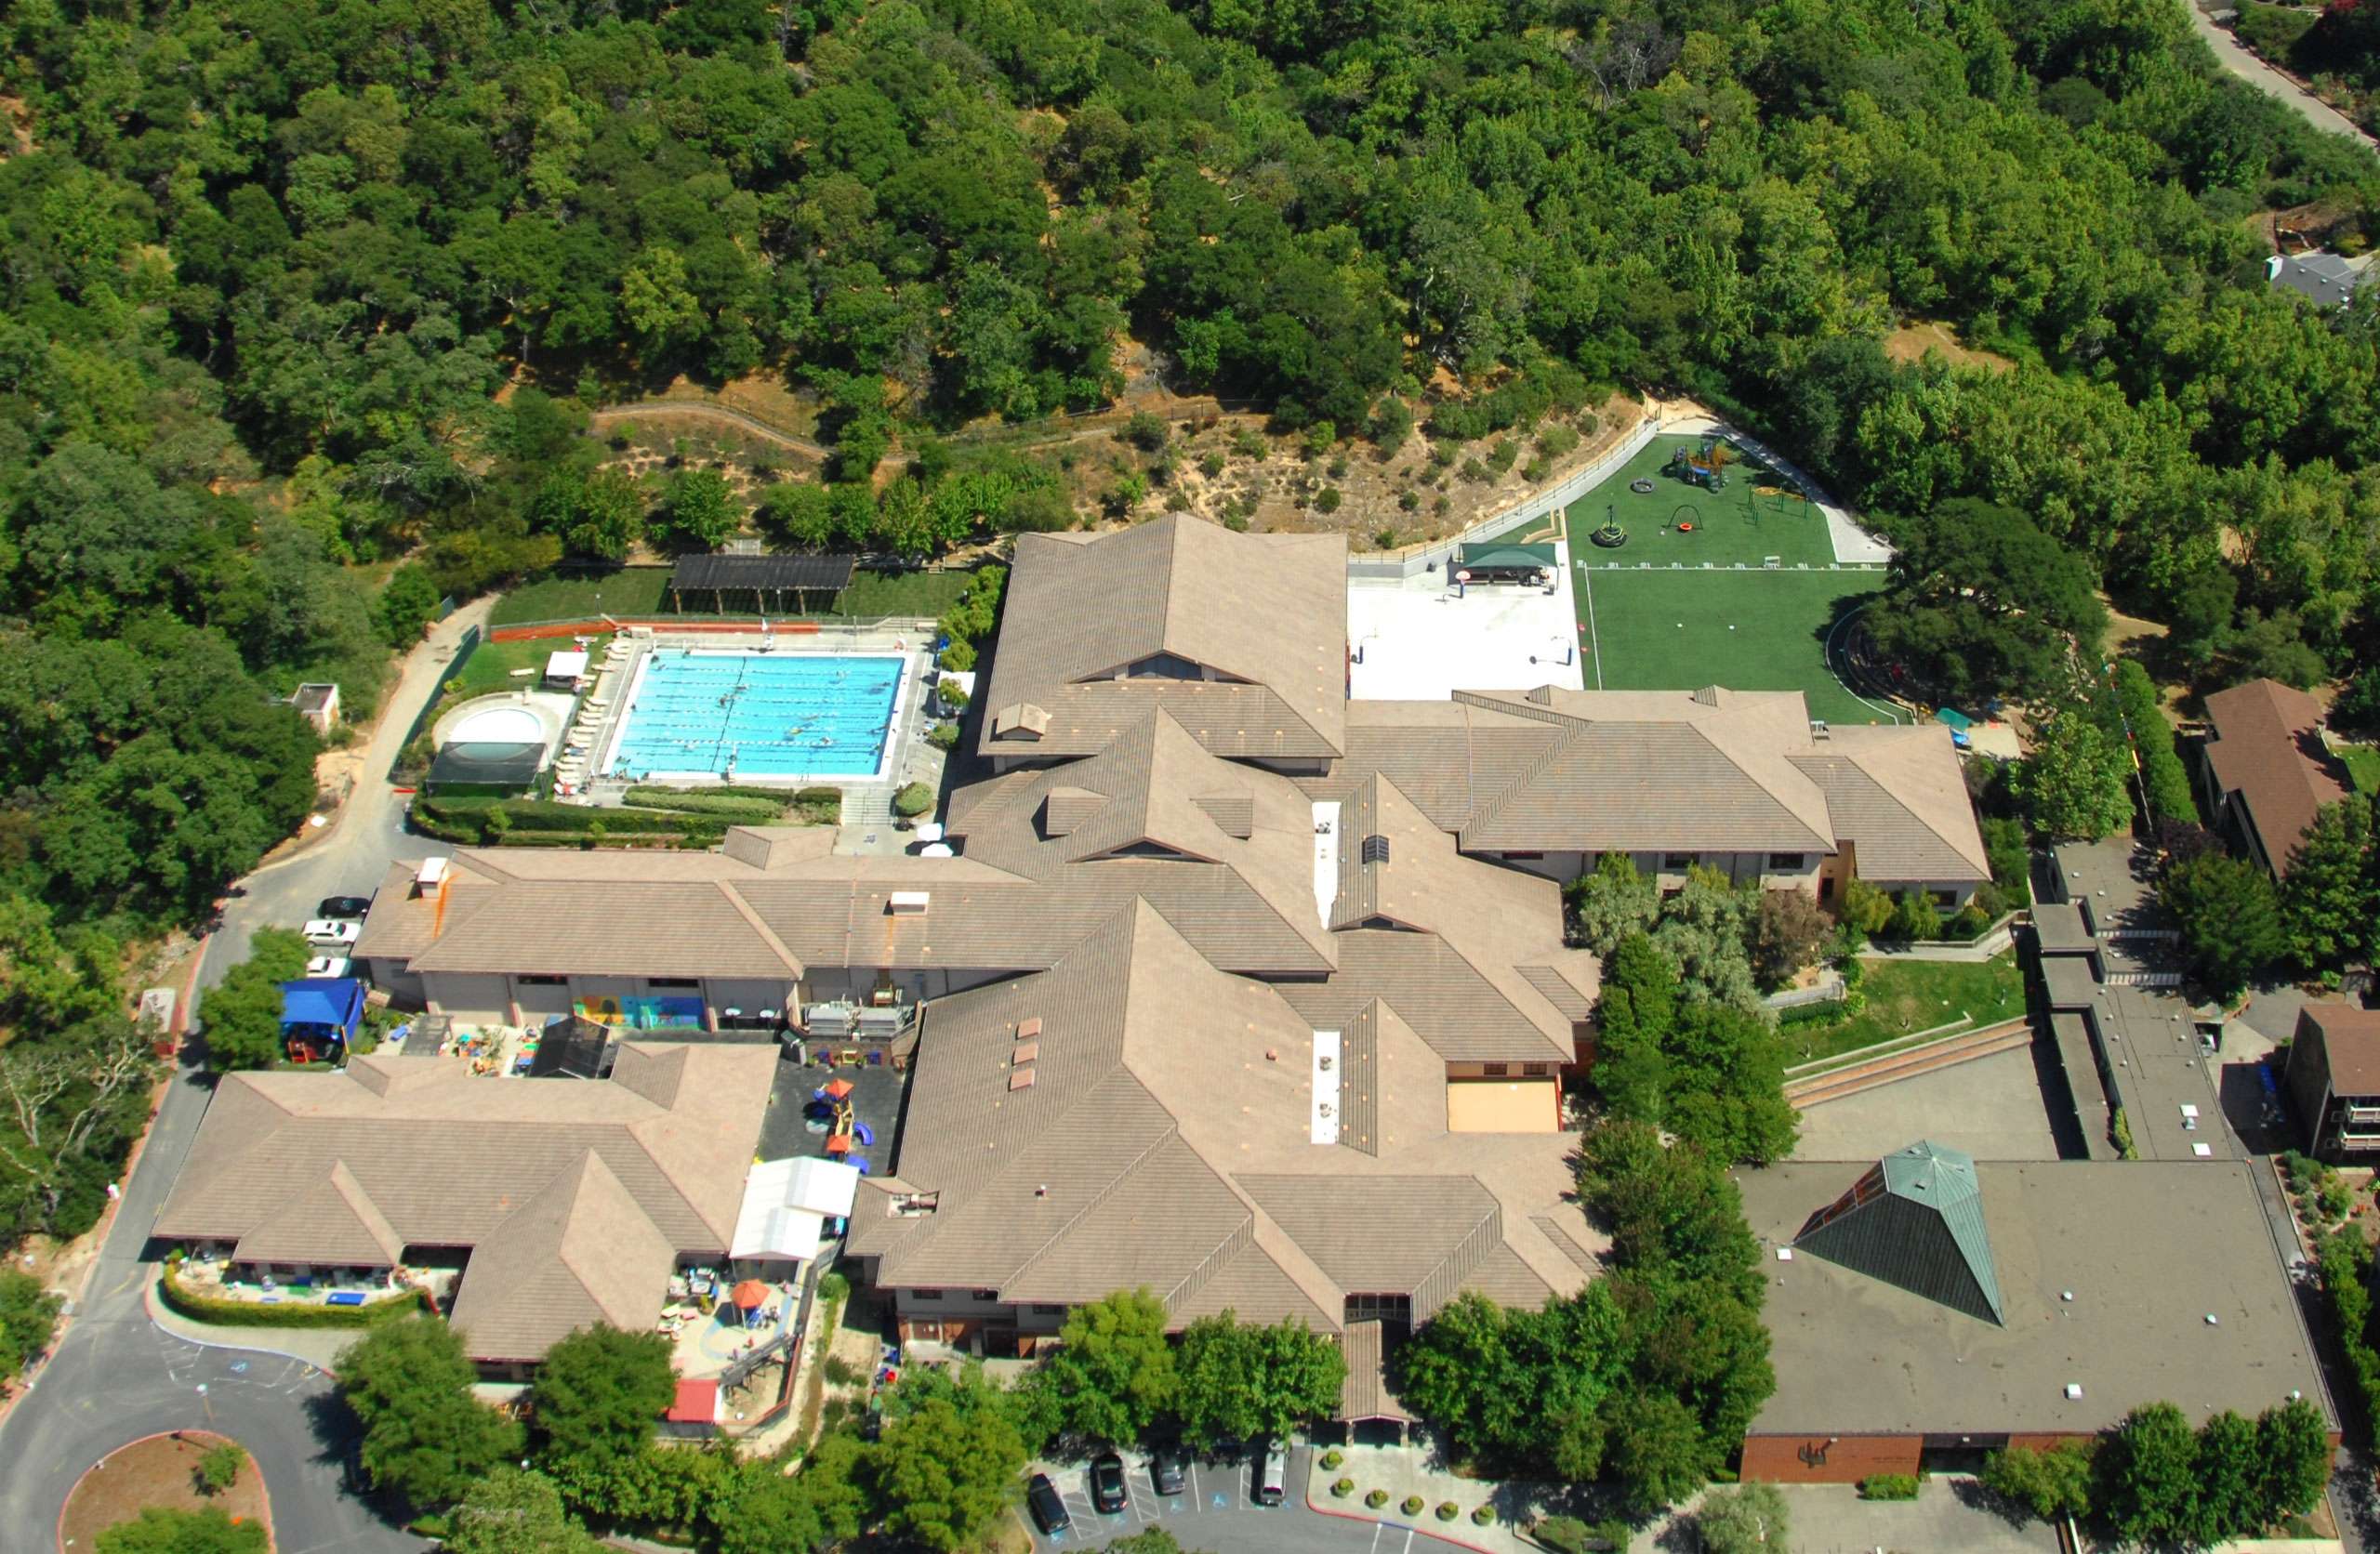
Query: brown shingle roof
[[1265, 613], [1167, 1140], [333, 1221], [1365, 1394], [2267, 748], [579, 1253], [2350, 1038], [445, 1157], [1897, 796], [1644, 771]]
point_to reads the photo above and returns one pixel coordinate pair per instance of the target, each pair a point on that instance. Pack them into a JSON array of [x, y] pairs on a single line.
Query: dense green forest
[[271, 264]]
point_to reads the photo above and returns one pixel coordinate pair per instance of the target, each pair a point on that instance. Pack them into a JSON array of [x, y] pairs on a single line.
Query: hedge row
[[247, 1313], [2343, 1261], [533, 822], [727, 806]]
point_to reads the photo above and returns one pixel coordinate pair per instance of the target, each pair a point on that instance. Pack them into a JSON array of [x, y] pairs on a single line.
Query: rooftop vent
[[431, 873], [1028, 1028], [1021, 1079], [2074, 1390], [1375, 849], [908, 903], [1025, 1052]]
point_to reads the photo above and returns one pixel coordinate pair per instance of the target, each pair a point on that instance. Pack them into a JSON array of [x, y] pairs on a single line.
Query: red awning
[[838, 1088], [697, 1403]]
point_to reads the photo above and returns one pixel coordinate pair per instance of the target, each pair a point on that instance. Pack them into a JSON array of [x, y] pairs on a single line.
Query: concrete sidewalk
[[318, 1346], [1405, 1471]]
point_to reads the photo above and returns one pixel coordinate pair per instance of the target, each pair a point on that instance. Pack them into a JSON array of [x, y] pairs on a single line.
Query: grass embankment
[[1905, 996]]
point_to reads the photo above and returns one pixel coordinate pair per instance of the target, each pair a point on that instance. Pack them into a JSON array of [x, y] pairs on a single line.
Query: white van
[[1273, 1474]]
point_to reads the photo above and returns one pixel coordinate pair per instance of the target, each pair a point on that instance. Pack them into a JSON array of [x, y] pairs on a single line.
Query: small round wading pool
[[513, 725]]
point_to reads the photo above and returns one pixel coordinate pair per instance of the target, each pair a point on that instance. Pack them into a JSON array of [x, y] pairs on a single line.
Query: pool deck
[[902, 742], [779, 649]]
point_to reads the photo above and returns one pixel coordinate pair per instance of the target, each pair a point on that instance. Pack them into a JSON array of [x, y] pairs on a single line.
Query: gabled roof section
[[1243, 638], [2267, 748], [332, 1222], [1644, 771], [579, 1253], [1897, 796], [1223, 850], [1167, 1140], [443, 1157], [1915, 1221]]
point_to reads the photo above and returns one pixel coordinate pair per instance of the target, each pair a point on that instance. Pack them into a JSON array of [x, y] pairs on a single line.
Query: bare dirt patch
[[1913, 340], [160, 1471]]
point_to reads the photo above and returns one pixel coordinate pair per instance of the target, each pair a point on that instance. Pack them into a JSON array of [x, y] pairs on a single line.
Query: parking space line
[[1132, 1495]]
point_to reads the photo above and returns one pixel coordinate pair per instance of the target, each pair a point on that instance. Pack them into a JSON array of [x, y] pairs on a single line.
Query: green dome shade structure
[[1914, 1219]]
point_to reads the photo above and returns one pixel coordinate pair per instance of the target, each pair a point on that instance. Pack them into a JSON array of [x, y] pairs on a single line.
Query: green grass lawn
[[644, 591], [1905, 996], [491, 665], [1732, 525], [2364, 764], [571, 595], [1668, 630]]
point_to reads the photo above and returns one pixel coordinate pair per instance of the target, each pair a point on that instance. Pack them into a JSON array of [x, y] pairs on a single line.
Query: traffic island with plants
[[194, 1487]]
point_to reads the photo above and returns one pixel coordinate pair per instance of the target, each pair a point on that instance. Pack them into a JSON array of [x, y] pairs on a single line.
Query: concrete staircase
[[1907, 1063]]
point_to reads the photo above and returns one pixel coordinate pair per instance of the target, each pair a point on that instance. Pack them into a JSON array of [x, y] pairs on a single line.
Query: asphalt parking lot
[[1216, 1512]]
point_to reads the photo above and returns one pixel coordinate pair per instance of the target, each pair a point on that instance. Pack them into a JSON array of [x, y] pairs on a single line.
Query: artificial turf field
[[1669, 630], [1735, 524]]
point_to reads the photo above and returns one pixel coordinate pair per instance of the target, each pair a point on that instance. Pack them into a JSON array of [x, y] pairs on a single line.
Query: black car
[[1166, 1469], [337, 907], [1049, 1512], [1107, 1482]]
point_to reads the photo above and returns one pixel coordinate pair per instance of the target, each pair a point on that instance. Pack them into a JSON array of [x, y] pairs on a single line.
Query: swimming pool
[[756, 716]]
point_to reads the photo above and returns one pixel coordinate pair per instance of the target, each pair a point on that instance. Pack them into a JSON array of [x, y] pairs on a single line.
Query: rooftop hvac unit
[[882, 1023], [431, 873], [828, 1020], [907, 903]]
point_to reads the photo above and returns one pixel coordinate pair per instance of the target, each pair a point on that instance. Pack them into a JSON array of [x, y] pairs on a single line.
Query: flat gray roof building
[[2076, 1246]]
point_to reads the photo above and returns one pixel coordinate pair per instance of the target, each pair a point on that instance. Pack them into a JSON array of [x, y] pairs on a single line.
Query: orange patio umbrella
[[751, 1295]]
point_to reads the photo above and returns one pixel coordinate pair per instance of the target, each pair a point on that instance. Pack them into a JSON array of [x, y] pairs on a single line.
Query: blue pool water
[[758, 714]]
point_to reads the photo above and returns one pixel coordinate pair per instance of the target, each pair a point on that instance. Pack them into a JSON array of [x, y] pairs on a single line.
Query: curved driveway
[[2235, 57], [115, 1376]]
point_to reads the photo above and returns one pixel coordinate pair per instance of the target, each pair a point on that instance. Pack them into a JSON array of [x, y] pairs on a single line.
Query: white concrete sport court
[[1422, 640]]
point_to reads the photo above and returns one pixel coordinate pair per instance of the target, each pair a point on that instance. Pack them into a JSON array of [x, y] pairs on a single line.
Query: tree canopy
[[425, 1436]]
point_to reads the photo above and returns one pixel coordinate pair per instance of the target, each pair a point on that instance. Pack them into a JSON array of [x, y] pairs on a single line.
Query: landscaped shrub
[[943, 735], [1448, 1510], [1377, 1498], [533, 823], [1333, 1458], [1482, 1515], [1888, 1486], [1344, 1488], [913, 800], [727, 806], [247, 1313], [1412, 1505]]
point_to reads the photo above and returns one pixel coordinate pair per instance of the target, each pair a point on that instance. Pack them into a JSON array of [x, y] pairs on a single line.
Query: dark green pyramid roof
[[1915, 1221]]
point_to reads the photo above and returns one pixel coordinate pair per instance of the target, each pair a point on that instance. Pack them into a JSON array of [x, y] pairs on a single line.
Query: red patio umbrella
[[838, 1088], [751, 1295]]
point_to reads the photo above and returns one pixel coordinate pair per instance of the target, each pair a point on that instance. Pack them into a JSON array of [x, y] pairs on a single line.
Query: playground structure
[[1706, 467], [1611, 535]]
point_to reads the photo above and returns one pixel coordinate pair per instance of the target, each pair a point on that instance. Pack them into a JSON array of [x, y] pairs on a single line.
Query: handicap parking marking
[[1132, 1494]]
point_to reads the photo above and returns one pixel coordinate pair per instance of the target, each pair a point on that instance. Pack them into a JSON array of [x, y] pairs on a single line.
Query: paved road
[[115, 1376], [2235, 57]]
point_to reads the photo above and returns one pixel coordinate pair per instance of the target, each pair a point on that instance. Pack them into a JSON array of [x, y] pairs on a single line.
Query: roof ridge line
[[745, 910], [1828, 841], [1536, 769]]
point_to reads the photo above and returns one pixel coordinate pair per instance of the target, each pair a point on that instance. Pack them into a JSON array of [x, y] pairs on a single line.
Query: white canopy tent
[[786, 1205]]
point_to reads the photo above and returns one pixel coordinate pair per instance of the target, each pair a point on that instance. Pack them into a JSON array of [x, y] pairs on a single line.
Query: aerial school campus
[[1228, 986]]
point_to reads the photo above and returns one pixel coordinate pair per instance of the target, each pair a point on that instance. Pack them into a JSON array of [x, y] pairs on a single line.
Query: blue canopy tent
[[319, 1012]]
